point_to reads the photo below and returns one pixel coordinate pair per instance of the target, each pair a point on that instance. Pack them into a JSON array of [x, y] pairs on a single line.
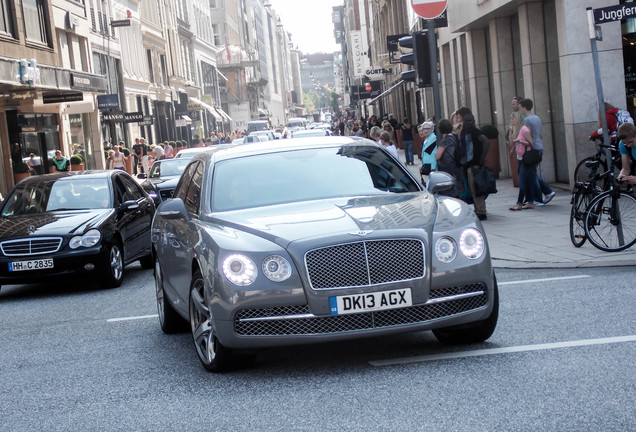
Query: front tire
[[169, 319], [113, 273], [146, 262], [473, 332], [213, 355]]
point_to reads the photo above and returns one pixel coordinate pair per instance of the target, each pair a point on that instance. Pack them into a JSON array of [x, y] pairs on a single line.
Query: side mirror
[[129, 205], [439, 181], [173, 209]]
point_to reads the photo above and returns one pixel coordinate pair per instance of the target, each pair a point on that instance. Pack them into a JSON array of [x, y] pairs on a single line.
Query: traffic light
[[419, 59]]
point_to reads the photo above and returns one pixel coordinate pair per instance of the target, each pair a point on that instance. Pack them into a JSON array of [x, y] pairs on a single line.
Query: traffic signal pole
[[432, 49]]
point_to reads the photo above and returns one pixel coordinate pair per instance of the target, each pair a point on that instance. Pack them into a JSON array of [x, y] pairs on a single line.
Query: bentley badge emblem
[[361, 233]]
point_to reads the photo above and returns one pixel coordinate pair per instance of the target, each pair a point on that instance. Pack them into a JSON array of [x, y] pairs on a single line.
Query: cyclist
[[627, 146], [612, 124]]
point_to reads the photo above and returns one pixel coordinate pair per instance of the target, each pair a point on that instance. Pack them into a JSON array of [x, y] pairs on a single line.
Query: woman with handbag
[[521, 139], [474, 145]]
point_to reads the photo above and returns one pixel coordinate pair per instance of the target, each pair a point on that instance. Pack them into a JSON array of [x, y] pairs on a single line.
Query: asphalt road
[[562, 359]]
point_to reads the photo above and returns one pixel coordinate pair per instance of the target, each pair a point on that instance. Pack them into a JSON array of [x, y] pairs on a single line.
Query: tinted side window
[[133, 191], [193, 196], [182, 188]]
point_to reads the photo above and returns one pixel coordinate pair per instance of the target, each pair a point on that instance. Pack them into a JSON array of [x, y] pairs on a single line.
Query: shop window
[[36, 22]]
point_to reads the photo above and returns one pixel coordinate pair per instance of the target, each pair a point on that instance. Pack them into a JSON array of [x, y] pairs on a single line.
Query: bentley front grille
[[298, 320], [365, 263], [31, 246]]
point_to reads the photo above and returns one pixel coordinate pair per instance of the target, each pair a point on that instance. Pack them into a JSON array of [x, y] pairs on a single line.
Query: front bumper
[[66, 263], [290, 325]]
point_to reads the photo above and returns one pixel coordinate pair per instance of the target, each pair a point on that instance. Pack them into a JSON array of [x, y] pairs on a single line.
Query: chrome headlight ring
[[472, 244]]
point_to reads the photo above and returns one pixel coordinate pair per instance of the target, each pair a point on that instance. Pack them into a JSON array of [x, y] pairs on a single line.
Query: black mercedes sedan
[[163, 177], [81, 223]]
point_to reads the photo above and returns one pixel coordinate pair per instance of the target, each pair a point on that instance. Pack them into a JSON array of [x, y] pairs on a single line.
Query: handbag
[[484, 180], [531, 157], [425, 169]]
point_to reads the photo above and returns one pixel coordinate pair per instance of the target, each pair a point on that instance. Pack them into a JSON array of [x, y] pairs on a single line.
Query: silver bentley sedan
[[316, 239]]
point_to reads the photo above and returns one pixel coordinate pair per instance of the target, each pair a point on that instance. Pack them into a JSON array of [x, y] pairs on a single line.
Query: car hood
[[287, 223], [52, 223]]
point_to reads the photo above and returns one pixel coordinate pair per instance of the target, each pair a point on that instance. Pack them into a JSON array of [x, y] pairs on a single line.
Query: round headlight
[[91, 238], [446, 249], [276, 268], [239, 269], [75, 242], [471, 243]]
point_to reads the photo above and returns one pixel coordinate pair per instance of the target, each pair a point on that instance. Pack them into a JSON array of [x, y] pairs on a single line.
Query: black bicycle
[[610, 219], [595, 168], [582, 196]]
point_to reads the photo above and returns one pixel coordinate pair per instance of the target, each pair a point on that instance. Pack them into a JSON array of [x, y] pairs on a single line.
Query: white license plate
[[31, 265], [376, 301]]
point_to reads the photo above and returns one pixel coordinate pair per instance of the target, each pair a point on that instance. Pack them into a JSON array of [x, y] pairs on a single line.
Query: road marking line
[[132, 318], [507, 350], [543, 280]]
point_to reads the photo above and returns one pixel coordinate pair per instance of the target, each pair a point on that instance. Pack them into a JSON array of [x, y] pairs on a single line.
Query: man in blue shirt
[[627, 146]]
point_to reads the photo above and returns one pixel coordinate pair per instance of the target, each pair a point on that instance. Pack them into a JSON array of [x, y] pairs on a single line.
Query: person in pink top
[[521, 139]]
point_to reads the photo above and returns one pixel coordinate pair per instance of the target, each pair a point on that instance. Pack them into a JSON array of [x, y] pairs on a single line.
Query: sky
[[309, 22]]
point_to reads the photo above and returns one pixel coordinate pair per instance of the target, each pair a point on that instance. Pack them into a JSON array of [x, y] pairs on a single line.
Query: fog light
[[89, 266]]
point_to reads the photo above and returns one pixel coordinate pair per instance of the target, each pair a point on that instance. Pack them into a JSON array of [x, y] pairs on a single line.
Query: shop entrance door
[[42, 145]]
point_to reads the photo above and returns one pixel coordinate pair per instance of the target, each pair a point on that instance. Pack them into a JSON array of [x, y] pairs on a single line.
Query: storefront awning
[[226, 118], [208, 108], [386, 92]]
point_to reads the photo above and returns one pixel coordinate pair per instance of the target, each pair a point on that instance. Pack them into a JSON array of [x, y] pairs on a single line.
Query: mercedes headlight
[[471, 243], [91, 238], [446, 249], [276, 268], [239, 269]]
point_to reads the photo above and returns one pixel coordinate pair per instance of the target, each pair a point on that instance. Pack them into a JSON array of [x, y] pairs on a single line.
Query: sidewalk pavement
[[537, 238]]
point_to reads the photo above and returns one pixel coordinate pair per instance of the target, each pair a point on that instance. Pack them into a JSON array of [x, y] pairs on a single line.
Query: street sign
[[120, 23], [614, 13], [429, 9]]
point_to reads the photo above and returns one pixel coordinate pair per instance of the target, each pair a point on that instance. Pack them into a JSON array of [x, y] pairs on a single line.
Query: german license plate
[[355, 303], [31, 265]]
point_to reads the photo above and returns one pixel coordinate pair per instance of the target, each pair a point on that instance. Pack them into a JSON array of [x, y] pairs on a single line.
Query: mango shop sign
[[130, 117]]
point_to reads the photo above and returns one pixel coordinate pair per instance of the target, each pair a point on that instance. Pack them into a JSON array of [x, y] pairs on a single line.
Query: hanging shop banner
[[108, 101]]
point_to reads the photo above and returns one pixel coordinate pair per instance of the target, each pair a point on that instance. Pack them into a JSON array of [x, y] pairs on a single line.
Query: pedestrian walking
[[445, 157], [533, 122], [429, 148], [474, 145], [521, 139], [407, 140]]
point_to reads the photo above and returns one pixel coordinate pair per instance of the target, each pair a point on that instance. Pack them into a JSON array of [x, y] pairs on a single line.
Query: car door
[[137, 220], [180, 235]]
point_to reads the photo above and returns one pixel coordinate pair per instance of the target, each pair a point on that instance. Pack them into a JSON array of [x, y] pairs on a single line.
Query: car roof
[[230, 152], [74, 174]]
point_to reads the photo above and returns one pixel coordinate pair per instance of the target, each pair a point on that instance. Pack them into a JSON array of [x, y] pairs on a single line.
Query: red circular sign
[[429, 9], [368, 87]]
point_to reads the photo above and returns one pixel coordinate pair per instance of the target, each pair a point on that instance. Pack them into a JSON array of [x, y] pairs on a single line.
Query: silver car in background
[[316, 239]]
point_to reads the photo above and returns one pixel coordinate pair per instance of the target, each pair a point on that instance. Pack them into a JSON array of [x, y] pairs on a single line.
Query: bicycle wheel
[[581, 198], [610, 223]]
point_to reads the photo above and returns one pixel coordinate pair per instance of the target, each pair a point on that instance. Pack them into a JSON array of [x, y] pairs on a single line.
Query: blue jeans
[[527, 182], [408, 151], [540, 187]]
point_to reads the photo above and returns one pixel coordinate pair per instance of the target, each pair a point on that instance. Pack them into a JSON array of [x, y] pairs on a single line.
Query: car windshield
[[168, 168], [309, 133], [62, 194], [307, 174]]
